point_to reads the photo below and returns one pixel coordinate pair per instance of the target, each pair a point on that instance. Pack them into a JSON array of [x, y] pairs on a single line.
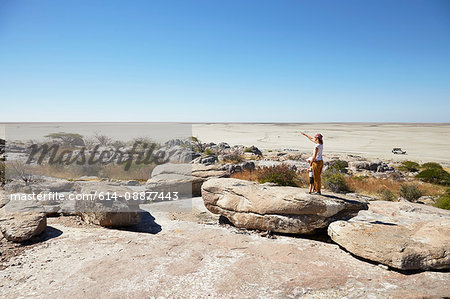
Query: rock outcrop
[[275, 208], [40, 185], [22, 220], [111, 205], [402, 235], [376, 166], [186, 179]]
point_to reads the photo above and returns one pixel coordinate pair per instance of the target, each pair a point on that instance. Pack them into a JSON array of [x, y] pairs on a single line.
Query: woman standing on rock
[[316, 161]]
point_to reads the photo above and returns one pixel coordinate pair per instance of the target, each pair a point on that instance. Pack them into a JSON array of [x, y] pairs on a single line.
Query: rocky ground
[[182, 251]]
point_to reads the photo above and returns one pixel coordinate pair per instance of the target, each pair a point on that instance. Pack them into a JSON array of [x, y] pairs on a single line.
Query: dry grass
[[140, 173], [136, 172], [372, 186], [255, 175], [246, 175]]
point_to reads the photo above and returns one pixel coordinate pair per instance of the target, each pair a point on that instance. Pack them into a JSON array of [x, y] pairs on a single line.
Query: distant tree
[[71, 139], [103, 140]]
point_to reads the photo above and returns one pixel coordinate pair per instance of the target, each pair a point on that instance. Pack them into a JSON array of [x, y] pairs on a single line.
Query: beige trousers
[[317, 173]]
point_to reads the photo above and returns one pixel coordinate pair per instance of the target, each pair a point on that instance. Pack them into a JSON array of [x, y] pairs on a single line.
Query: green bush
[[409, 166], [338, 165], [387, 195], [248, 150], [335, 181], [279, 174], [435, 175], [410, 192], [443, 202], [431, 165], [209, 152]]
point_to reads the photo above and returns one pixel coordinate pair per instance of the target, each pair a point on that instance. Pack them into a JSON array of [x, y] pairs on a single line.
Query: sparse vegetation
[[234, 158], [436, 175], [197, 145], [18, 170], [102, 140], [209, 152], [338, 165], [335, 181], [410, 192], [279, 174], [431, 165], [443, 201], [410, 166], [386, 194]]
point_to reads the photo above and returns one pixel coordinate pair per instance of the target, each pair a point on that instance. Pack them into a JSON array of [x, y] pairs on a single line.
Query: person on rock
[[316, 162]]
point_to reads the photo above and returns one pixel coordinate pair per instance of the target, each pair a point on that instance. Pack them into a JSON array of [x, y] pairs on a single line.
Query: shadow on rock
[[147, 225], [49, 233]]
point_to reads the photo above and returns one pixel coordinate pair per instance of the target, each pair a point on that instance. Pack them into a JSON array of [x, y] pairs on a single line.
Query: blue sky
[[220, 61]]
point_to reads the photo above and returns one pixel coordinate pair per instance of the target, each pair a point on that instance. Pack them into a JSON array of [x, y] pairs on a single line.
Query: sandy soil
[[423, 142], [189, 254]]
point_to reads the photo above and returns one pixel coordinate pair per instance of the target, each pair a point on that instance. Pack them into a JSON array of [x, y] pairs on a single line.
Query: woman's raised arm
[[309, 137]]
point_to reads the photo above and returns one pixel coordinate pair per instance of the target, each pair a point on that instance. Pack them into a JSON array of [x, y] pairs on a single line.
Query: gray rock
[[402, 235], [275, 208], [254, 150], [206, 160], [186, 179], [22, 220], [4, 199], [78, 141], [375, 166], [110, 205]]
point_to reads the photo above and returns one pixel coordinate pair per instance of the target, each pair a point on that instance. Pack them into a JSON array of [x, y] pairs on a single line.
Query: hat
[[318, 135]]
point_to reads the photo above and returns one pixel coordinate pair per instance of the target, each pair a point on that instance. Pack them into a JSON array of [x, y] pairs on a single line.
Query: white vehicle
[[399, 151]]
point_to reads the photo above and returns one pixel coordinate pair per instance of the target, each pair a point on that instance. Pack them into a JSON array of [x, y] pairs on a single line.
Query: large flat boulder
[[110, 206], [186, 179], [402, 235], [274, 208], [22, 220]]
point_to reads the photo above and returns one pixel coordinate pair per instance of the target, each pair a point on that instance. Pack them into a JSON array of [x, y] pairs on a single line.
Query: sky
[[225, 61]]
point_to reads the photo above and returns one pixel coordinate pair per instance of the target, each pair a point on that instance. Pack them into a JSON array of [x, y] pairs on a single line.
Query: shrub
[[434, 175], [387, 195], [410, 192], [338, 165], [209, 152], [197, 145], [279, 174], [335, 181], [102, 140], [234, 158], [409, 166], [443, 202], [431, 165]]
